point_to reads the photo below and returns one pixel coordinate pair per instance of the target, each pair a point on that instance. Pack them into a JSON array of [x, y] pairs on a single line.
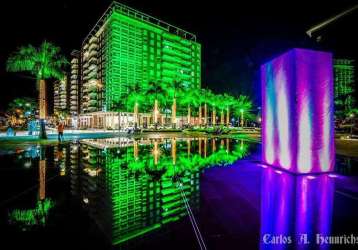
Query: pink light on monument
[[297, 111]]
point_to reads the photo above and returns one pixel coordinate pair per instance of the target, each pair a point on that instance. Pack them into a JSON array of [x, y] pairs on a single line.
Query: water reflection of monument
[[130, 187], [294, 209]]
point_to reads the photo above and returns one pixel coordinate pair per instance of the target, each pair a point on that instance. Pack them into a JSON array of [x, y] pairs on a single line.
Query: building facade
[[60, 98], [344, 86], [75, 82], [125, 48]]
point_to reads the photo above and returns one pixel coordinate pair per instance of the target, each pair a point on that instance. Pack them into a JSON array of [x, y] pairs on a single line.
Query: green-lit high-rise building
[[128, 47], [344, 80]]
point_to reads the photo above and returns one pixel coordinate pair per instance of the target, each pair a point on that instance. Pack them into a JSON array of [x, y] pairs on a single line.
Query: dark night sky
[[236, 38]]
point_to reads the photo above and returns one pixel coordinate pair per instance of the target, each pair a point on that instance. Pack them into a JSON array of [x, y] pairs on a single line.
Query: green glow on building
[[344, 81], [128, 47]]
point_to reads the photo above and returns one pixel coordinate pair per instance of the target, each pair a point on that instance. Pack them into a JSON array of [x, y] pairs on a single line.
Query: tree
[[205, 93], [119, 106], [196, 101], [21, 110], [242, 108], [43, 62], [157, 91], [136, 96], [187, 100], [214, 101], [175, 89], [229, 101]]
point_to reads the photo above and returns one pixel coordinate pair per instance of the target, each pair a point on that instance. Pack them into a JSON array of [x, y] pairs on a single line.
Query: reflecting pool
[[169, 193]]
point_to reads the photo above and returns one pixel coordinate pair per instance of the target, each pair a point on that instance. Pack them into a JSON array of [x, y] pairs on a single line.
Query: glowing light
[[304, 139], [283, 121], [297, 113], [268, 126], [311, 177]]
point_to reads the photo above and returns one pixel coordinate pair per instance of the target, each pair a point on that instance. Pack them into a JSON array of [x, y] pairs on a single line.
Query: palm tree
[[197, 100], [228, 102], [213, 100], [155, 89], [177, 88], [221, 104], [135, 97], [44, 62], [187, 99], [119, 106], [242, 107], [205, 93]]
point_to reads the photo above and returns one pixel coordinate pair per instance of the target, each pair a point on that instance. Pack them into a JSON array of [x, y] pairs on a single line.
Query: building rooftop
[[130, 12]]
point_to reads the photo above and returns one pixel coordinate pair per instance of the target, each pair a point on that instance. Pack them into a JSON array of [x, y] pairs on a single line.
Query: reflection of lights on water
[[311, 177], [333, 175], [92, 172], [278, 171], [27, 164]]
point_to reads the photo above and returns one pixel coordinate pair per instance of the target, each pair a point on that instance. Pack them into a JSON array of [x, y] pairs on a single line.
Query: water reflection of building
[[74, 165], [127, 204], [62, 157], [294, 209]]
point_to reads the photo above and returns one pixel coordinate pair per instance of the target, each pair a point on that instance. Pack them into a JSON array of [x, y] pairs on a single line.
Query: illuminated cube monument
[[297, 111]]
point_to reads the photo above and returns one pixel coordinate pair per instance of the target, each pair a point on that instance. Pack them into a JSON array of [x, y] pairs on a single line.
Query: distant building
[[344, 86], [128, 47], [60, 99]]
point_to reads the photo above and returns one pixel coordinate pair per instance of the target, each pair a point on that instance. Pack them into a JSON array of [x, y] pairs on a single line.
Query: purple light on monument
[[297, 111]]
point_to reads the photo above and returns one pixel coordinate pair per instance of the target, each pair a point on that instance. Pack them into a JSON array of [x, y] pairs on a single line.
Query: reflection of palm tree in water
[[42, 175]]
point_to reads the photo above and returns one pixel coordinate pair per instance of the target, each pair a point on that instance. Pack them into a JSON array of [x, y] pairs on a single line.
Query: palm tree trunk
[[42, 185], [227, 116], [42, 174], [200, 115], [156, 152], [222, 118], [174, 112], [214, 117], [205, 146], [174, 151], [213, 145], [135, 150], [43, 108], [205, 114]]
